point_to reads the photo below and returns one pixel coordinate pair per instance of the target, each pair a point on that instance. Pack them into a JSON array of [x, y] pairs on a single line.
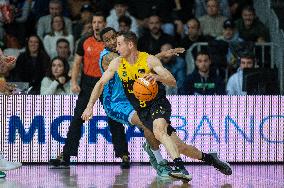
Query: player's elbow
[[173, 83]]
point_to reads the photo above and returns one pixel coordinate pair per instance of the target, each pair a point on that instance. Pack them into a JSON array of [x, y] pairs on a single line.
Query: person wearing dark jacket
[[151, 42], [31, 65], [202, 81]]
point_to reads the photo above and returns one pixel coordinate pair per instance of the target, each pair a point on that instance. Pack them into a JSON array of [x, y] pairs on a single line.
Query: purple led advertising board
[[239, 128]]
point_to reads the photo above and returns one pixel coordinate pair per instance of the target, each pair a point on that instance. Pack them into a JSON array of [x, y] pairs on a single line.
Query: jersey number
[[142, 104]]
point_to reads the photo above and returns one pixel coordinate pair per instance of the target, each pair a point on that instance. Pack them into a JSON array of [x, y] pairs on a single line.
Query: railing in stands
[[261, 60], [267, 15]]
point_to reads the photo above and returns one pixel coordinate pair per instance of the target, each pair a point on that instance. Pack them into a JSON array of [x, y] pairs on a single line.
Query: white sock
[[158, 155]]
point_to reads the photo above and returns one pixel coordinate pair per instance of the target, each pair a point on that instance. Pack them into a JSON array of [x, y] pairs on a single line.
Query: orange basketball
[[144, 90]]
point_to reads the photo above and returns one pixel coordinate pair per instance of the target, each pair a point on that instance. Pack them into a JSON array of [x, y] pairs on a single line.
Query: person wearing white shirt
[[58, 31], [235, 82], [57, 81], [55, 9], [120, 9]]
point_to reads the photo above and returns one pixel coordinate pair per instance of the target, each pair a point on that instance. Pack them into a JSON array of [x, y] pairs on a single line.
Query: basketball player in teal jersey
[[125, 113]]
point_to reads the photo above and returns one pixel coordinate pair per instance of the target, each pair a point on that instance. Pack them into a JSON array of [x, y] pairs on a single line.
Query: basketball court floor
[[139, 176]]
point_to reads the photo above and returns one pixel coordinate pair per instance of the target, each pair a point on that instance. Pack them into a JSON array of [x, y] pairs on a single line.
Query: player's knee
[[159, 128], [181, 148]]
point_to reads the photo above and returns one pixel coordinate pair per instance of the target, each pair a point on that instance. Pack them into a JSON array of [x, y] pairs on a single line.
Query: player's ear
[[130, 44]]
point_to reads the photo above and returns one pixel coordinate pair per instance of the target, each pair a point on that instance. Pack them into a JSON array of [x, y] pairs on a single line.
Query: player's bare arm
[[170, 53], [162, 74], [108, 58], [98, 89], [75, 88]]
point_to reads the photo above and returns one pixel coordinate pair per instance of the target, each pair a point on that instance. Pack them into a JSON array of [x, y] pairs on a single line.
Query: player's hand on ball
[[152, 78], [87, 114]]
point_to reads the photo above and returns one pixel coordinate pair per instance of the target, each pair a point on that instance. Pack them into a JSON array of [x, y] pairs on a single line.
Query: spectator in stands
[[31, 65], [194, 35], [44, 23], [152, 41], [87, 28], [64, 52], [250, 27], [13, 47], [75, 7], [235, 82], [6, 16], [202, 81], [57, 80], [58, 30], [120, 9], [201, 7], [230, 32], [85, 17], [176, 65], [40, 8], [21, 11], [142, 9], [231, 37], [212, 23], [235, 9], [184, 10], [7, 63], [124, 23]]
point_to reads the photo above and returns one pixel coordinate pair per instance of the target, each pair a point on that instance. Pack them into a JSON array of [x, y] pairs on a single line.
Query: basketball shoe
[[6, 165], [60, 162], [163, 169], [180, 173], [2, 174], [125, 164], [220, 165]]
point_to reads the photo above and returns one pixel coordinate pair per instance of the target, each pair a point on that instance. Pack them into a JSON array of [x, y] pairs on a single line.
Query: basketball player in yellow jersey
[[154, 114]]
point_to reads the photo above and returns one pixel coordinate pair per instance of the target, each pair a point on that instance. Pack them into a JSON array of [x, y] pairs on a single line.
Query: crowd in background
[[43, 35]]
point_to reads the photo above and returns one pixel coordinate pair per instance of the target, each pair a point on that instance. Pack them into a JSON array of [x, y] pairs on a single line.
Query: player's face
[[109, 39], [57, 68], [203, 63], [246, 63], [98, 23], [122, 46]]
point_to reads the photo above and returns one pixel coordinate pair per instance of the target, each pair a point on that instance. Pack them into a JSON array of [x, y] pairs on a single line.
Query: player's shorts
[[121, 111], [160, 108]]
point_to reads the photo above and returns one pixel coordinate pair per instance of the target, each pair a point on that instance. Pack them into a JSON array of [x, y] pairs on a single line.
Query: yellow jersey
[[128, 73]]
